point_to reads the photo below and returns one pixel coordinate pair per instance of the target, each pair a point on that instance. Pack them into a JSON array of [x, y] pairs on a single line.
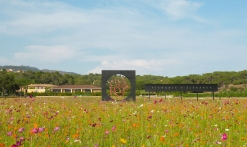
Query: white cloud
[[43, 17], [45, 54], [37, 17], [28, 22], [56, 20], [142, 66], [177, 9], [118, 36]]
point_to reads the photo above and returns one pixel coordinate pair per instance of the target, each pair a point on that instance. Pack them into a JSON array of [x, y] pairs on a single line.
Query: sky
[[157, 37]]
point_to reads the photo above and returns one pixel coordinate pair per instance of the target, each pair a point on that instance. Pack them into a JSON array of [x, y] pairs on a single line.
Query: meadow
[[90, 122]]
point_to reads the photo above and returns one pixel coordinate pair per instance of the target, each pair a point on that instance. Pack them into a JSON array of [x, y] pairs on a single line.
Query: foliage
[[223, 79], [19, 68], [7, 83]]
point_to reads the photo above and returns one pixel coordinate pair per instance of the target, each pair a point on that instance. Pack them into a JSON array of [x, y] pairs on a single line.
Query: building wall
[[96, 90], [76, 90], [35, 90], [39, 88]]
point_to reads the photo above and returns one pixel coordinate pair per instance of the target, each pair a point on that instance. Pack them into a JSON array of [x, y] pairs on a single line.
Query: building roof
[[41, 85], [76, 87]]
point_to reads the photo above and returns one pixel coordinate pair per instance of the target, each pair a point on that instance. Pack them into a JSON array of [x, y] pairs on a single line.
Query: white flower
[[226, 129], [140, 106], [77, 141], [218, 142]]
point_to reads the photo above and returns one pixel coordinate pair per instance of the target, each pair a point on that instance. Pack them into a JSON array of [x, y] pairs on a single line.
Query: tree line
[[10, 81]]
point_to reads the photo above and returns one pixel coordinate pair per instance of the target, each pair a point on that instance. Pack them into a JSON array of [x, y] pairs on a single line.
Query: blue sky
[[162, 37]]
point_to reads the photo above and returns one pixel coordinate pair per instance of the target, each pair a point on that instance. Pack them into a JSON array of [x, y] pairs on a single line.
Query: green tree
[[7, 83], [45, 78], [22, 83], [57, 78]]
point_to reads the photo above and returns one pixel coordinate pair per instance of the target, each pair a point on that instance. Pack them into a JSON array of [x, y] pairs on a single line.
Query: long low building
[[75, 88], [39, 88]]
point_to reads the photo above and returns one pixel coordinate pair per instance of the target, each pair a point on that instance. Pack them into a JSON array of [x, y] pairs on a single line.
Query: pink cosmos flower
[[224, 137], [56, 129], [226, 102], [35, 130], [41, 130], [9, 133], [17, 144], [107, 132], [113, 128], [21, 130], [22, 138]]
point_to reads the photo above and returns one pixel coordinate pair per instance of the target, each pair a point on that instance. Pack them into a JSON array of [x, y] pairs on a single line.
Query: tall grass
[[87, 121]]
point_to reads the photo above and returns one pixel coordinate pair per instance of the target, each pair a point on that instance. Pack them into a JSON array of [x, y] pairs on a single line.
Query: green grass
[[87, 121]]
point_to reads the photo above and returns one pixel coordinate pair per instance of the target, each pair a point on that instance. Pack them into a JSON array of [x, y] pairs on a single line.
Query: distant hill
[[61, 72], [34, 69], [16, 68]]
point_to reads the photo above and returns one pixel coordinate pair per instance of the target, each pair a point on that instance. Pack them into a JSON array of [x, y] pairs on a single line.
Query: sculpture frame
[[130, 74]]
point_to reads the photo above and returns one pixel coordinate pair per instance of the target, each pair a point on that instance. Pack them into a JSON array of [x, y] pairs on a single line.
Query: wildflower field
[[89, 122]]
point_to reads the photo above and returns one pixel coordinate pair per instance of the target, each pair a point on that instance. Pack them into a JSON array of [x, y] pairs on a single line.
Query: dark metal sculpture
[[130, 74], [182, 87]]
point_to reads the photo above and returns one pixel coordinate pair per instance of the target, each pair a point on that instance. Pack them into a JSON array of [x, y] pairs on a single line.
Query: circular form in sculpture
[[118, 87]]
